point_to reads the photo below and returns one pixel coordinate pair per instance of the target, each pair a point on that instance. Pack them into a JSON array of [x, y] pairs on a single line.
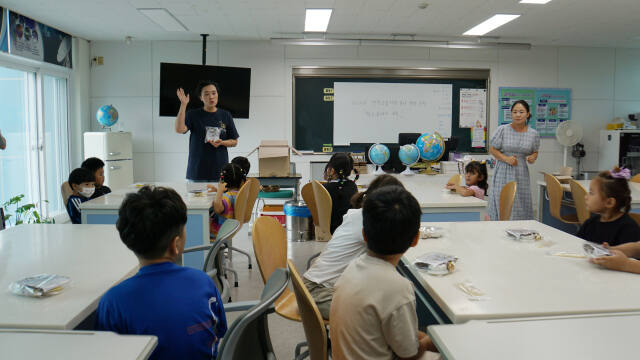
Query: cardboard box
[[273, 157]]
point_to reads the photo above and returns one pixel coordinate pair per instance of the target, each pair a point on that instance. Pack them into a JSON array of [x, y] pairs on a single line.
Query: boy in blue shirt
[[82, 184], [179, 305]]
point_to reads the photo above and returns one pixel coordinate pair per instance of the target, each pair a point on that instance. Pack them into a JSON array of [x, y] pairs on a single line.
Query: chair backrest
[[323, 206], [226, 232], [578, 192], [66, 191], [635, 178], [555, 191], [507, 196], [248, 336], [635, 217], [269, 245], [455, 179], [241, 203], [254, 190], [310, 200], [312, 321]]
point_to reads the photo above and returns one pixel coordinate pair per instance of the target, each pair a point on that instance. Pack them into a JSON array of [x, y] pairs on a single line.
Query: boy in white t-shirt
[[373, 313]]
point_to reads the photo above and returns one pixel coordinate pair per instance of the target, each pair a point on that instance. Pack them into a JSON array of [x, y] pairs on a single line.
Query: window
[[33, 120]]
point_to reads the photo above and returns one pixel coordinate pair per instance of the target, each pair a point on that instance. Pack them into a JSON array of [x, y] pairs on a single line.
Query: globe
[[409, 154], [431, 146], [107, 115], [379, 154]]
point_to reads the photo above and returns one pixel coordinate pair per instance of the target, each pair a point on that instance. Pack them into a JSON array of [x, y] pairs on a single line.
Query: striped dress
[[521, 144]]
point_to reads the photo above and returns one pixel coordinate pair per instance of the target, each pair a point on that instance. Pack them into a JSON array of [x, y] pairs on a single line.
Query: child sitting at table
[[231, 180], [82, 187], [609, 198], [339, 186], [96, 167], [179, 305], [475, 176], [623, 258], [345, 245], [373, 313]]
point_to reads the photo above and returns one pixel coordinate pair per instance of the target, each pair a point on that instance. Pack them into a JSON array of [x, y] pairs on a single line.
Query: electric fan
[[568, 134]]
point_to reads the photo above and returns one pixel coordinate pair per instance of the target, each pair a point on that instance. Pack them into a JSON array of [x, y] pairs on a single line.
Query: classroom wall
[[602, 80]]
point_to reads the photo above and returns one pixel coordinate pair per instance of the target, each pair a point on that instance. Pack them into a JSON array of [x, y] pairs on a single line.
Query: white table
[[521, 279], [74, 345], [586, 337], [438, 203], [91, 255], [104, 210], [543, 203]]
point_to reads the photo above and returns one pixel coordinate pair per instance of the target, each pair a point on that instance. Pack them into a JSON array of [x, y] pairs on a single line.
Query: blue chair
[[248, 336]]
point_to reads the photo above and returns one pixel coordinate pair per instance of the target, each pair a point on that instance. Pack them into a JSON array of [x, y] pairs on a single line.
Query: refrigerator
[[619, 148], [116, 150]]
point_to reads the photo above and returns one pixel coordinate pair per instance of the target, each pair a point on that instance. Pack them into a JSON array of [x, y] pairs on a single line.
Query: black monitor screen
[[234, 83]]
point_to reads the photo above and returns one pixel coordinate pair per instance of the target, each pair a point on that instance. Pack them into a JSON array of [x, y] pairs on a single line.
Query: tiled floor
[[285, 334]]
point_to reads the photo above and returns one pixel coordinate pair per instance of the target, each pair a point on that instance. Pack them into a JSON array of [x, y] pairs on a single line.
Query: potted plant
[[23, 213]]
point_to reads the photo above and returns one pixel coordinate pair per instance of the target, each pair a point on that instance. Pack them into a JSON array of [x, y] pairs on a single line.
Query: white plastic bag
[[39, 285]]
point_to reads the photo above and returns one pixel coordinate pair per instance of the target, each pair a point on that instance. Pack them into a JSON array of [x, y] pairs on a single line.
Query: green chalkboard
[[313, 105]]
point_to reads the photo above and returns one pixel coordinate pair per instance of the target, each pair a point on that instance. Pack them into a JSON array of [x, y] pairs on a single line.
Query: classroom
[[247, 170]]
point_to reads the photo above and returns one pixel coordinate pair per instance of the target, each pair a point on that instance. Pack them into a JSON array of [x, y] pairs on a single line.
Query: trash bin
[[299, 223]]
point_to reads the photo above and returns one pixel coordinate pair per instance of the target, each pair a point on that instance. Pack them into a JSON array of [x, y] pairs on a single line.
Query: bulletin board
[[549, 107]]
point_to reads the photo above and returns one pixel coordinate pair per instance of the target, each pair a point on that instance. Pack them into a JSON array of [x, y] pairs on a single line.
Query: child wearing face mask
[[83, 185]]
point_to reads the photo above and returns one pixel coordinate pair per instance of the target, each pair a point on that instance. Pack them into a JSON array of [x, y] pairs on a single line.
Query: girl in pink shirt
[[475, 176]]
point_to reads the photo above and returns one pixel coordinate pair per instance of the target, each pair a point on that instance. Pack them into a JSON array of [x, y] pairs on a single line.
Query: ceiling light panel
[[541, 2], [317, 20], [490, 24]]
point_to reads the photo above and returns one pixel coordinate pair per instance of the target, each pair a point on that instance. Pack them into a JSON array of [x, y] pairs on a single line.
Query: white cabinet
[[116, 150]]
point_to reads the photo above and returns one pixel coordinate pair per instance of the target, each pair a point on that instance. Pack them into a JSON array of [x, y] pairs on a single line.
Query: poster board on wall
[[549, 107]]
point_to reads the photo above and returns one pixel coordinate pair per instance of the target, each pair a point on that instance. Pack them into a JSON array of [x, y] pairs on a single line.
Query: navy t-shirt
[[205, 160], [617, 232], [179, 305], [340, 200]]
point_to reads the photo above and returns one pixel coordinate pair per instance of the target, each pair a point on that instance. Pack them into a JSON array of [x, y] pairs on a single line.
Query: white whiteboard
[[377, 112]]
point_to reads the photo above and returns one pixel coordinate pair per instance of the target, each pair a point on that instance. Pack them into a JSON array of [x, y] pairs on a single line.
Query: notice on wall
[[473, 106], [478, 136], [549, 107]]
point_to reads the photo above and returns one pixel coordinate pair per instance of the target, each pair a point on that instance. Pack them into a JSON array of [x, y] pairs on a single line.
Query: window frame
[[40, 69]]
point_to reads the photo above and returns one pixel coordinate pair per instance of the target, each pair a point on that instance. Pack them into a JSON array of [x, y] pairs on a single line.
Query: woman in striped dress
[[514, 145]]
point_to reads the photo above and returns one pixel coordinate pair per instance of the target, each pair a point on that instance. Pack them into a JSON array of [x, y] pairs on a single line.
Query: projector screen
[[377, 112]]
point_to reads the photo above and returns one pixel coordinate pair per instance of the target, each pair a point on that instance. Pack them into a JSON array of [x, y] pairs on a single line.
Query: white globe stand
[[379, 170], [407, 171]]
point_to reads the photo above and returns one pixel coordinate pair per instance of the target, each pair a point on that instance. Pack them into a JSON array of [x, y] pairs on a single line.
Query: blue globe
[[379, 154], [107, 115], [409, 154], [431, 146]]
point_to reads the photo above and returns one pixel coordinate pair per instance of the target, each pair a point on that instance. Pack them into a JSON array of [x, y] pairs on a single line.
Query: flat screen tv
[[234, 83]]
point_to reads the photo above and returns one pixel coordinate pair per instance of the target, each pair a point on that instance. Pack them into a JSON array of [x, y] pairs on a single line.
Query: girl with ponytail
[[232, 177], [609, 198], [339, 186]]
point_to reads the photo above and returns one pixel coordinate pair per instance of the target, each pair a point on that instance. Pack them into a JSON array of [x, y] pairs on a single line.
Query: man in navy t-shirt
[[212, 131], [179, 305]]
